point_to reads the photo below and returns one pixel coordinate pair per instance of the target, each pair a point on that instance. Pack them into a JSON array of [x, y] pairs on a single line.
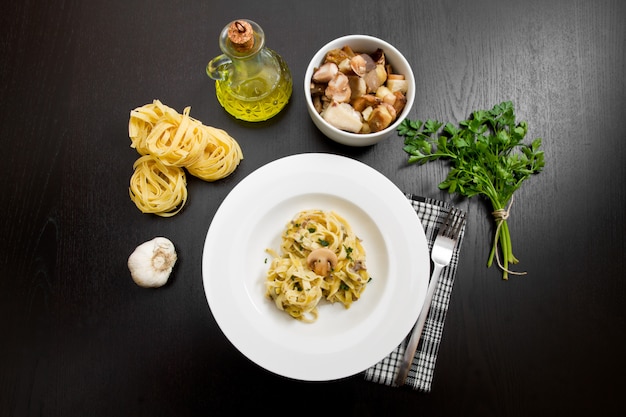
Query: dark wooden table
[[79, 338]]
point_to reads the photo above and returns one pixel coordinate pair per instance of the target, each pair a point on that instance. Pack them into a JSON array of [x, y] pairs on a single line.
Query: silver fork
[[441, 256]]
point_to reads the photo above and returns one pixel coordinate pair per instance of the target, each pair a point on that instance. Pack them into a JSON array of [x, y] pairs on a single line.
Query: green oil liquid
[[258, 98]]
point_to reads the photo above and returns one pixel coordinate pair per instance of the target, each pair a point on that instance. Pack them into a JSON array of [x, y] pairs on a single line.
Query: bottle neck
[[242, 39]]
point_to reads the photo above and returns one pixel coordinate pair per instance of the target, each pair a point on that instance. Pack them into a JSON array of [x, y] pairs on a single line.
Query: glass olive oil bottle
[[252, 82]]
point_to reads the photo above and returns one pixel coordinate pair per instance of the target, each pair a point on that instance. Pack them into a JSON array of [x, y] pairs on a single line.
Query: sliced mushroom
[[382, 92], [324, 103], [362, 64], [367, 113], [317, 89], [343, 116], [339, 88], [359, 265], [366, 100], [322, 261], [390, 99], [398, 85], [348, 51], [325, 73], [337, 55], [344, 66], [382, 116], [392, 76], [378, 56], [399, 103], [375, 78], [357, 86], [317, 103]]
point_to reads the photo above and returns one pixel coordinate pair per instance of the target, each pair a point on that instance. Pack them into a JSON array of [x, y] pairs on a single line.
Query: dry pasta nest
[[171, 143]]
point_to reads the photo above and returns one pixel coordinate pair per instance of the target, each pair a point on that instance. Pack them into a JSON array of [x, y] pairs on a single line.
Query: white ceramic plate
[[342, 342]]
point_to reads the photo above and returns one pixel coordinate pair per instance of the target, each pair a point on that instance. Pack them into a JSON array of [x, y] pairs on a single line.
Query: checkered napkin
[[432, 213]]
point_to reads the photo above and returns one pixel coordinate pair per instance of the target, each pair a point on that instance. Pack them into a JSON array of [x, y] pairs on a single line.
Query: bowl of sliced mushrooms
[[358, 89]]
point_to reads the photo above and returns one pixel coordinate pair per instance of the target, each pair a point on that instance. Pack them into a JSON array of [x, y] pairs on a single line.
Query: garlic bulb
[[151, 263]]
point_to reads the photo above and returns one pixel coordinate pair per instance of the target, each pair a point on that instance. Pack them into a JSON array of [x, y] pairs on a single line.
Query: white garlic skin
[[151, 263]]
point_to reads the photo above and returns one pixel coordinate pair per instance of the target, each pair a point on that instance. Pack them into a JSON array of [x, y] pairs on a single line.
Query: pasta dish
[[320, 258]]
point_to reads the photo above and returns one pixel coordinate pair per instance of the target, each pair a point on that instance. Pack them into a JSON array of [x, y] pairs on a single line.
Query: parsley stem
[[505, 244], [502, 240]]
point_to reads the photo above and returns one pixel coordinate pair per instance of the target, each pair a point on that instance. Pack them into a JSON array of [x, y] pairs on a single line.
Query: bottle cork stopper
[[241, 35]]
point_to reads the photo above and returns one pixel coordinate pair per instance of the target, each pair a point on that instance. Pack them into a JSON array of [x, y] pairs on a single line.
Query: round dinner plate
[[342, 342]]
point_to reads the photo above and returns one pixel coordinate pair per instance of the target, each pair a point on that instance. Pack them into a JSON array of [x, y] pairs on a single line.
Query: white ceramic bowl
[[360, 44]]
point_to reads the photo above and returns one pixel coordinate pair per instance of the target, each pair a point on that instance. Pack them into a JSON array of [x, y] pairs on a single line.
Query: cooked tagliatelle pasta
[[320, 258], [176, 141]]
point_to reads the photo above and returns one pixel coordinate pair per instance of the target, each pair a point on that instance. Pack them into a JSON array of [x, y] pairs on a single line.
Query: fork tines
[[451, 226]]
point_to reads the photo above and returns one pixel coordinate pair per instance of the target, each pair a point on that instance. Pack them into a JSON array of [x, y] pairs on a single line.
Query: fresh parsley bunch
[[483, 161]]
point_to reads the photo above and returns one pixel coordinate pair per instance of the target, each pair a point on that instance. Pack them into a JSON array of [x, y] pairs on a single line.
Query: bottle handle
[[219, 67]]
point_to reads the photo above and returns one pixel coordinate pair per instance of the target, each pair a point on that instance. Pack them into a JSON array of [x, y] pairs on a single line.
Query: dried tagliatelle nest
[[171, 143]]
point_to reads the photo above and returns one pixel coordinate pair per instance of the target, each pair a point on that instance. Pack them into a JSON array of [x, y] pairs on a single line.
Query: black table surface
[[79, 338]]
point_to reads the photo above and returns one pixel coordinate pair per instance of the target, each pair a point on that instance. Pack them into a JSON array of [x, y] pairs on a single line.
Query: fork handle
[[416, 334]]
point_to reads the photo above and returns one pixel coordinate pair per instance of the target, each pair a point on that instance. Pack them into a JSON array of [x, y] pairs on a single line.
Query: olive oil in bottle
[[252, 82]]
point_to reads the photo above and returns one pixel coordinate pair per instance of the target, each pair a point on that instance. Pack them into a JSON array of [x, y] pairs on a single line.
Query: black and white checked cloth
[[431, 213]]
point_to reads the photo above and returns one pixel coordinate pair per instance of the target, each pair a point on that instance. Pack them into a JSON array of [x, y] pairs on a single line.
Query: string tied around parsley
[[500, 216]]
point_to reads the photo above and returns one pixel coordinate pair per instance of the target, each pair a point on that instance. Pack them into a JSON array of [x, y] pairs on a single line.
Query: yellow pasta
[[218, 159], [291, 281], [178, 140], [157, 188]]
